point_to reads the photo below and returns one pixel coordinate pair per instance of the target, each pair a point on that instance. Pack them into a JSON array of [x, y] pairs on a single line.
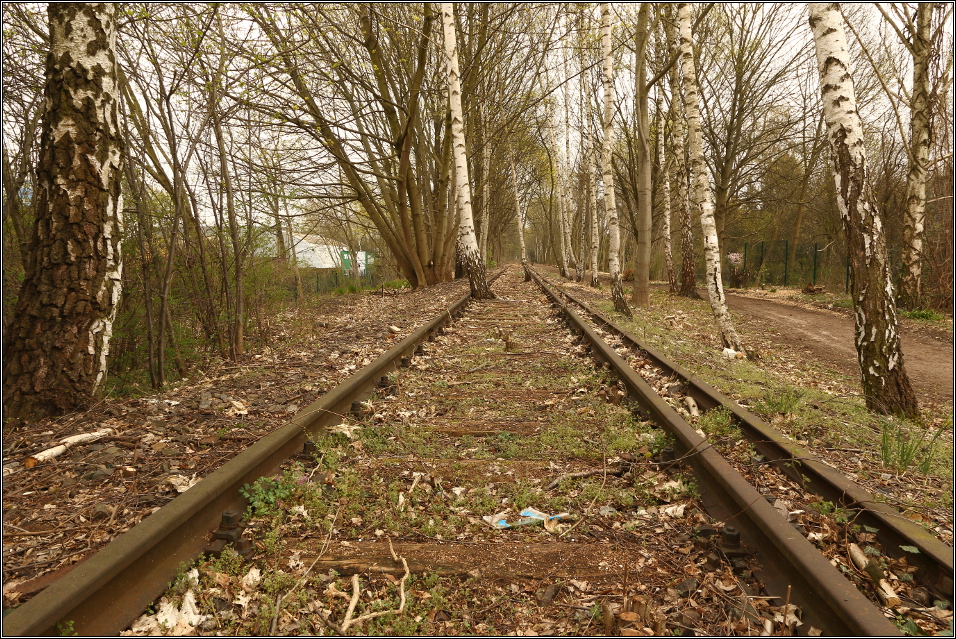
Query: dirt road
[[927, 352]]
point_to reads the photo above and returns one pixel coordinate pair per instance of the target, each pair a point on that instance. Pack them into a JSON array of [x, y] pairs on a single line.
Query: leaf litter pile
[[500, 485], [851, 548], [126, 457]]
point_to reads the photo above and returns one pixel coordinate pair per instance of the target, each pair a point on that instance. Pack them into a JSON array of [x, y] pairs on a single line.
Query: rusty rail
[[108, 591], [828, 600], [935, 559]]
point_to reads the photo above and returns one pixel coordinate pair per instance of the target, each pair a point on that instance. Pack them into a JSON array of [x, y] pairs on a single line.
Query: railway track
[[894, 531], [473, 422]]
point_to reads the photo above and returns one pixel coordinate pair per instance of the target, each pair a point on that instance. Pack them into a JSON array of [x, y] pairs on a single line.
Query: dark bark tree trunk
[[56, 346], [886, 386]]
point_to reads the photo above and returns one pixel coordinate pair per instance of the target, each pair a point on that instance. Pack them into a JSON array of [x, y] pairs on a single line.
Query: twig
[[588, 509], [355, 597], [280, 598], [401, 605], [583, 473], [786, 609]]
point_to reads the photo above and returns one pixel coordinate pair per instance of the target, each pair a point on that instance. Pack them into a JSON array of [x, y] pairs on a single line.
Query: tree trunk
[[467, 247], [591, 162], [299, 289], [885, 383], [704, 201], [642, 261], [236, 345], [811, 163], [610, 211], [561, 244], [666, 214], [281, 251], [485, 186], [911, 282], [56, 346], [565, 163], [514, 181], [687, 286]]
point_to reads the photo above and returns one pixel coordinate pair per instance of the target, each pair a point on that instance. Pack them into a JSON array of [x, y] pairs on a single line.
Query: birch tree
[[514, 183], [702, 192], [919, 45], [886, 386], [610, 211], [467, 242], [666, 212], [56, 346], [687, 285]]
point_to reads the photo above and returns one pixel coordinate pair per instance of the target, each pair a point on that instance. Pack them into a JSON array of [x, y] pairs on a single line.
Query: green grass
[[923, 314], [904, 444], [809, 401]]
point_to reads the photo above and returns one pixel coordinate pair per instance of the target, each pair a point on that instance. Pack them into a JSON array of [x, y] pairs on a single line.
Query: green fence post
[[745, 256], [814, 263], [846, 287]]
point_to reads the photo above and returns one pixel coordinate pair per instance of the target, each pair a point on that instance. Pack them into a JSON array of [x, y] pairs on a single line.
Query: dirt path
[[829, 336]]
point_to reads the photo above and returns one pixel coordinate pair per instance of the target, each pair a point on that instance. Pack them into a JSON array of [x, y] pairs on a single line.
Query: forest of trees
[[645, 140]]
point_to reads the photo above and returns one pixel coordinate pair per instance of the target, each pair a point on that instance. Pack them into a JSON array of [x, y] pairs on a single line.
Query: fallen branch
[[65, 445], [584, 473]]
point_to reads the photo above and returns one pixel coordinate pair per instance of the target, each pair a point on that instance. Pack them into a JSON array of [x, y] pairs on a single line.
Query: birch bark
[[566, 166], [610, 211], [56, 345], [642, 263], [703, 195], [913, 218], [666, 213], [559, 180], [687, 285], [514, 182], [886, 386], [592, 168], [468, 250]]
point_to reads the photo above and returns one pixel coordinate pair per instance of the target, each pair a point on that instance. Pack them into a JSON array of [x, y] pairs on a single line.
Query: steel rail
[[828, 600], [104, 594], [934, 560]]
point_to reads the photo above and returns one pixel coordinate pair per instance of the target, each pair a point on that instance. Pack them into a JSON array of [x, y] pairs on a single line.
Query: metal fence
[[816, 263]]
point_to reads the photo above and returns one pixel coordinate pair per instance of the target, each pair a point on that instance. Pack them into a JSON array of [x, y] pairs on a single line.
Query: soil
[[828, 335]]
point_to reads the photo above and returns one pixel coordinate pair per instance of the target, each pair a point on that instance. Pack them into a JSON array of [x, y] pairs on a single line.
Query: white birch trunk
[[58, 339], [559, 179], [913, 217], [703, 195], [467, 242], [591, 162], [666, 212], [610, 211], [687, 282], [565, 162], [514, 182], [886, 386]]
